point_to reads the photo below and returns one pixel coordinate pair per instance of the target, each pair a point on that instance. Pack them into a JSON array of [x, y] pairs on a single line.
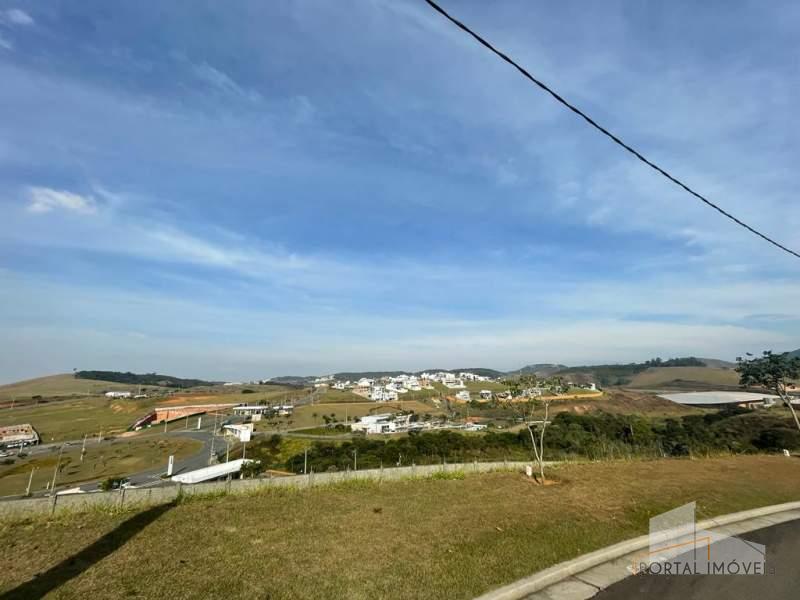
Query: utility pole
[[355, 459], [305, 461], [83, 449], [55, 471], [166, 419], [227, 450], [100, 436], [30, 481], [213, 434]]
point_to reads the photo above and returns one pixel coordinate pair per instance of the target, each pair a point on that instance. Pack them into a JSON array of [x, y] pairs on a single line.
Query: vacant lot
[[700, 378], [625, 402], [109, 459], [432, 538], [71, 419], [62, 386]]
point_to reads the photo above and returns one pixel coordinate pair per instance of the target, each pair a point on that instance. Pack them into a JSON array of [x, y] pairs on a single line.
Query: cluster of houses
[[401, 422], [390, 389]]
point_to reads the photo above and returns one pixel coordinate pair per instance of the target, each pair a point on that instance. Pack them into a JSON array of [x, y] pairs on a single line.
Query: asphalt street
[[781, 581]]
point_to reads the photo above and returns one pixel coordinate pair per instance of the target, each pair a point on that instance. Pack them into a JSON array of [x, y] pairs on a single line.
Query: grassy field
[[329, 396], [625, 402], [71, 419], [111, 459], [700, 378], [433, 538], [612, 401], [63, 385]]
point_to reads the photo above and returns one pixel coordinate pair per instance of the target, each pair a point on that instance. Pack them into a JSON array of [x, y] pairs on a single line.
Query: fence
[[160, 495]]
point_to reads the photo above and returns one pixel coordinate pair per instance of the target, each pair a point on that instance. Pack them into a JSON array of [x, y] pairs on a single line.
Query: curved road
[[780, 582]]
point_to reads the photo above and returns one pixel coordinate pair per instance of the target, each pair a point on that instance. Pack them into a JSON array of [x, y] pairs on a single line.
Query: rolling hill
[[539, 369], [685, 378], [59, 385]]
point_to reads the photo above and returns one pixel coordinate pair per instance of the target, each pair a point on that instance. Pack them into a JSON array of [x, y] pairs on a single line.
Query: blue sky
[[247, 189]]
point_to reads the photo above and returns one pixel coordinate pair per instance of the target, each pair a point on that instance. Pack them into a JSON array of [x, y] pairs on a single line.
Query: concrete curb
[[587, 587]]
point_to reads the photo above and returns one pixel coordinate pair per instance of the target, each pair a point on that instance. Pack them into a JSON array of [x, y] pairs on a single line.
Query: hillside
[[129, 378], [539, 369], [695, 378], [58, 385]]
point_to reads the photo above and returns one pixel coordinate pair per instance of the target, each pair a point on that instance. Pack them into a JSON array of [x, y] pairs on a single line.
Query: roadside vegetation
[[115, 459], [596, 436], [453, 537]]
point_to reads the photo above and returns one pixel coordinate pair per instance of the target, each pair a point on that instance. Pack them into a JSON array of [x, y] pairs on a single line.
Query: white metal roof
[[212, 472]]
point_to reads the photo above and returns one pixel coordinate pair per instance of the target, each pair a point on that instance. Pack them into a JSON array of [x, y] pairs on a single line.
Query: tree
[[528, 410], [772, 371]]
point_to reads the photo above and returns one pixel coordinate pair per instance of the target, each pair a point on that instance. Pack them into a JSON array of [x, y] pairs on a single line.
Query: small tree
[[528, 410], [772, 371]]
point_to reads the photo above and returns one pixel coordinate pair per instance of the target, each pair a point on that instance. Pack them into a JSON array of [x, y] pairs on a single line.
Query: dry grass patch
[[434, 538]]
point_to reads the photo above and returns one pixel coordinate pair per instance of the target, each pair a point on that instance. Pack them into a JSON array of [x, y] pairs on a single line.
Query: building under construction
[[18, 436]]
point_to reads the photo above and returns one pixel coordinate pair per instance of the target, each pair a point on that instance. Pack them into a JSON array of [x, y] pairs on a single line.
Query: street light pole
[[30, 481], [55, 471]]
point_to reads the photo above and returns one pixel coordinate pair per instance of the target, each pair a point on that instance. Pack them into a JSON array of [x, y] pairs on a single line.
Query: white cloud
[[223, 82], [43, 200], [6, 44], [15, 16]]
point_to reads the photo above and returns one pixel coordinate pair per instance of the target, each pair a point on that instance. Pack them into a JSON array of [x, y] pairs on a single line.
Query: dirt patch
[[186, 399]]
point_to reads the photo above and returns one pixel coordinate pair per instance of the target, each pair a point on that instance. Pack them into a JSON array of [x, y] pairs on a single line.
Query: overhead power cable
[[605, 131]]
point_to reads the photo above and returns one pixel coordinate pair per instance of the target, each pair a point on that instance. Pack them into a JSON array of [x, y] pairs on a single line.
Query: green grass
[[71, 419], [120, 457], [327, 431], [432, 538], [64, 385], [330, 395]]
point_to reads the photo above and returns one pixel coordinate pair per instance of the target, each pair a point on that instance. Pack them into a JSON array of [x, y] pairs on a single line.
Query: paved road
[[149, 477], [781, 581], [198, 460]]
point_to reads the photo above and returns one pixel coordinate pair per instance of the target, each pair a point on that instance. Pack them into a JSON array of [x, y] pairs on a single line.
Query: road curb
[[571, 568]]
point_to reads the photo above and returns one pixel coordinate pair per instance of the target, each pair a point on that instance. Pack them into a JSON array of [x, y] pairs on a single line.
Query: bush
[[777, 439], [113, 483]]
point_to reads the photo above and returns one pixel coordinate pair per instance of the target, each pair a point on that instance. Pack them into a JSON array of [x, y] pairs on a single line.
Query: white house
[[486, 394], [382, 394], [119, 395], [383, 423], [474, 427], [454, 384], [463, 395]]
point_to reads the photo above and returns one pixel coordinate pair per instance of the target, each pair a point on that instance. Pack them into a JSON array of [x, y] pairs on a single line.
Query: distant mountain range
[[604, 374], [601, 373]]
